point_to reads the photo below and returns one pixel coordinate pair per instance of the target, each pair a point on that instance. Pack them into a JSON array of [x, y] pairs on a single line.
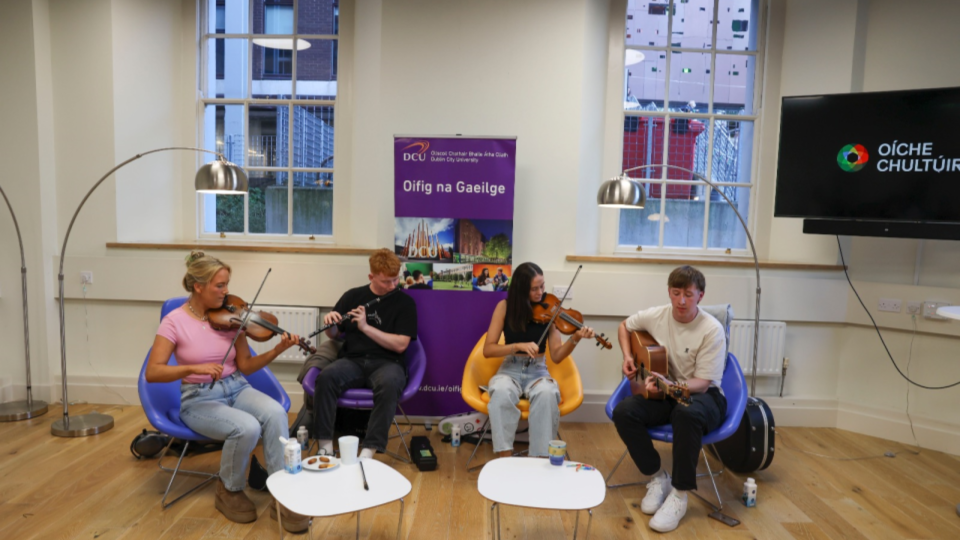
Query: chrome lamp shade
[[622, 192], [221, 177]]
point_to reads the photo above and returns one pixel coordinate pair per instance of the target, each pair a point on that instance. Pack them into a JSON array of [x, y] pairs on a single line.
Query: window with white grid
[[269, 93], [690, 99]]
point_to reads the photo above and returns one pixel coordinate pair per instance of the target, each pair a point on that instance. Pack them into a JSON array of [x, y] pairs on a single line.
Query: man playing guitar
[[696, 348]]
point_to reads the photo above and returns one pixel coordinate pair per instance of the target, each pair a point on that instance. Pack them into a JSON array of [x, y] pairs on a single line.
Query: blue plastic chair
[[362, 398], [161, 404], [734, 389]]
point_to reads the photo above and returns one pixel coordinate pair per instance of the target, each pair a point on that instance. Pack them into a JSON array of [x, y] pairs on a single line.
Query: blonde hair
[[201, 268], [383, 261]]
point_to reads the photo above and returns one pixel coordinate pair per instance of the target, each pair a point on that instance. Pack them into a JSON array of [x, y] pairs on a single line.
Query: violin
[[261, 326], [567, 320]]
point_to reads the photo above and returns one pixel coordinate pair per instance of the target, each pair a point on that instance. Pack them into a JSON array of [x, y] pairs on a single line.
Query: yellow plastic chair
[[480, 369]]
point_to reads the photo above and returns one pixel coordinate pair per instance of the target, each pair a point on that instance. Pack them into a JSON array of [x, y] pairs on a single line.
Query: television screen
[[879, 156]]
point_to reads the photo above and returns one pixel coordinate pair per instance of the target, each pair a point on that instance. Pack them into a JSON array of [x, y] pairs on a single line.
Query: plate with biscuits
[[321, 463]]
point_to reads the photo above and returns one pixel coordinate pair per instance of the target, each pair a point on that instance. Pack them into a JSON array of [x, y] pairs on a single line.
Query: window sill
[[232, 246], [743, 263]]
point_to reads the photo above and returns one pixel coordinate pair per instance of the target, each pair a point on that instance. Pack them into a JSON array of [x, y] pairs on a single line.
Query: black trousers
[[635, 414], [387, 379]]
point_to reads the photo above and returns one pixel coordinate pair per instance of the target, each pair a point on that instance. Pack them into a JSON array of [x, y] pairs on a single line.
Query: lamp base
[[82, 426], [21, 410]]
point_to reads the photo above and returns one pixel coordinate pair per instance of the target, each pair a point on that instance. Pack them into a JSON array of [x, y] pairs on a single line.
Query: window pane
[[223, 132], [645, 79], [646, 23], [274, 18], [725, 230], [268, 131], [732, 151], [317, 69], [643, 145], [318, 17], [733, 84], [227, 68], [228, 210], [272, 68], [689, 81], [313, 137], [313, 203], [683, 217], [268, 202], [693, 24], [229, 16], [737, 25], [641, 227]]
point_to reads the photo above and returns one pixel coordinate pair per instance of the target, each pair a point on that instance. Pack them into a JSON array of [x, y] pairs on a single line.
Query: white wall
[[537, 70]]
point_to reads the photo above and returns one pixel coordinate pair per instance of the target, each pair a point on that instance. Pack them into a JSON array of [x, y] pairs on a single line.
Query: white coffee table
[[535, 483], [339, 491]]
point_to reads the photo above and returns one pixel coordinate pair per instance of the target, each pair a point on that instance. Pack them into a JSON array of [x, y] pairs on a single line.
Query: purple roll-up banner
[[454, 233]]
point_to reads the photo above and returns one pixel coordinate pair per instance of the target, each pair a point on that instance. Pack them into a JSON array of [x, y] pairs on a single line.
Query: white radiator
[[773, 336], [297, 320]]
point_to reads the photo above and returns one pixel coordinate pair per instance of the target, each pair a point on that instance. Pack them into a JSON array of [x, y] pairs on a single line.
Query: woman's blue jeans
[[522, 376]]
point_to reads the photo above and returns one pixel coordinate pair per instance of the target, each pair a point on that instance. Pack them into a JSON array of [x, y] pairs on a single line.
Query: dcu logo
[[420, 152], [852, 157]]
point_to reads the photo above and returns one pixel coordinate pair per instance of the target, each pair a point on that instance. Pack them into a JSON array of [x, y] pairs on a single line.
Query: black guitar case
[[751, 447]]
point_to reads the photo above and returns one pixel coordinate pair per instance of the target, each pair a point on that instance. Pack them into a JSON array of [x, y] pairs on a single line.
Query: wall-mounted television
[[872, 164]]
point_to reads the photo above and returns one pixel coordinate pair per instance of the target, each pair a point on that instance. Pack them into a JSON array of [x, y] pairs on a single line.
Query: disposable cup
[[349, 446]]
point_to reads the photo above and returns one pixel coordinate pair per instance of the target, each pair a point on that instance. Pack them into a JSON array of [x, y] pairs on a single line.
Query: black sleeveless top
[[532, 334]]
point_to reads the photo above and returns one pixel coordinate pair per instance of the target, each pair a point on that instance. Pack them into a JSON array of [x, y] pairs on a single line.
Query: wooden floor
[[93, 488]]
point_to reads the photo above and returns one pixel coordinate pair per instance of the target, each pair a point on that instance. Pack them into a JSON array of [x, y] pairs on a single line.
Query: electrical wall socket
[[560, 290], [86, 277], [913, 308], [889, 304], [930, 309]]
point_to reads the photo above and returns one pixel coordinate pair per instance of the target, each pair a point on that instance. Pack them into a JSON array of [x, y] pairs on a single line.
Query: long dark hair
[[519, 310]]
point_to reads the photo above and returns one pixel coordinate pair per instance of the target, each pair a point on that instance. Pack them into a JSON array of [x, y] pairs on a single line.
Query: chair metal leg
[[615, 467], [209, 477], [483, 433], [409, 424], [717, 513], [403, 440]]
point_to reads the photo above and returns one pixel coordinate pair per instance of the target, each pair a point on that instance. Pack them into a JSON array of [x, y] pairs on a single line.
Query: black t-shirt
[[396, 314], [533, 334]]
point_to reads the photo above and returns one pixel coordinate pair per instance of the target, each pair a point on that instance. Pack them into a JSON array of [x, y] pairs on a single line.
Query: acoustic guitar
[[650, 358]]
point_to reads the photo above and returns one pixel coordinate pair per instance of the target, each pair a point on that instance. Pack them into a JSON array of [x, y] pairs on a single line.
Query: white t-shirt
[[694, 350]]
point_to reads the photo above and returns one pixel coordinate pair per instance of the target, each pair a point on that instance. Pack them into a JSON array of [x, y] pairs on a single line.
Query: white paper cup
[[349, 447]]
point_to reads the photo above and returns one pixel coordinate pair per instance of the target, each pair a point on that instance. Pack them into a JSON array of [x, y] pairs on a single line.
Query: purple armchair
[[362, 398]]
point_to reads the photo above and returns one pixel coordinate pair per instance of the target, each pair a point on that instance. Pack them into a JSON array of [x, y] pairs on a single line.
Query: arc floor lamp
[[626, 192], [28, 408], [218, 176]]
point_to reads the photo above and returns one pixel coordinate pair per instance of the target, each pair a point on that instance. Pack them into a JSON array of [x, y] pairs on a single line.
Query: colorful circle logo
[[852, 157]]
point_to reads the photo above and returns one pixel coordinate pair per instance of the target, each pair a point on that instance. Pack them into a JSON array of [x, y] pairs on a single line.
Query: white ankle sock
[[367, 453], [326, 446]]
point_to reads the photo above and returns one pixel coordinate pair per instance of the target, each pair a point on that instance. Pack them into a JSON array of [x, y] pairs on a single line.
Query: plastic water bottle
[[455, 435], [291, 457], [750, 493], [303, 437]]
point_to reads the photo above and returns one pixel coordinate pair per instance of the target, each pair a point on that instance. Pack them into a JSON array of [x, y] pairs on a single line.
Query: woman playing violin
[[232, 410], [523, 372]]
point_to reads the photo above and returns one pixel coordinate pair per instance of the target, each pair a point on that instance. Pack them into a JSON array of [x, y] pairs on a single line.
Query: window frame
[[204, 100], [610, 225]]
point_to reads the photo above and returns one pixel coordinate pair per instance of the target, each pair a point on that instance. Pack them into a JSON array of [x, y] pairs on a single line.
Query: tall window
[[690, 91], [269, 69]]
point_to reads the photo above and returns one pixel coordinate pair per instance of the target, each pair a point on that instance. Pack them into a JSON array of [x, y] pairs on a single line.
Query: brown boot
[[234, 504], [292, 521]]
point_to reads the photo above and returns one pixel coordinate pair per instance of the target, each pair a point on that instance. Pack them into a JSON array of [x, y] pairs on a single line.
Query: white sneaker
[[657, 490], [669, 515]]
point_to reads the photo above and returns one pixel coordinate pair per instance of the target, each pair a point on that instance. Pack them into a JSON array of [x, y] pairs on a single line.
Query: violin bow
[[559, 306], [243, 324]]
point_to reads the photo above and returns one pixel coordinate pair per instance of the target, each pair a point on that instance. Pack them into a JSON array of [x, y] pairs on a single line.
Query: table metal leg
[[576, 524], [493, 535], [279, 518], [589, 522], [400, 525], [358, 525], [499, 532]]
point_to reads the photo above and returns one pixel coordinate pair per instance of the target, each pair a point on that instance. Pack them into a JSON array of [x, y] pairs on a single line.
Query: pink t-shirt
[[195, 342]]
